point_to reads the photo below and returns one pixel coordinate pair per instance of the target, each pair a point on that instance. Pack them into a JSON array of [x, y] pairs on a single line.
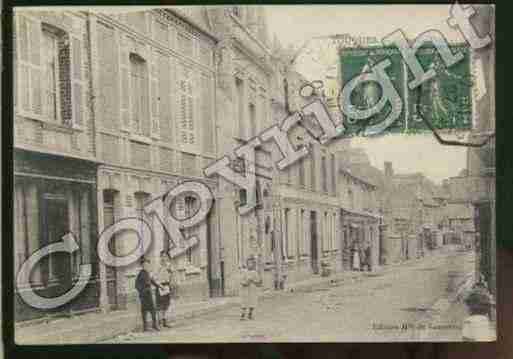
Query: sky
[[412, 153]]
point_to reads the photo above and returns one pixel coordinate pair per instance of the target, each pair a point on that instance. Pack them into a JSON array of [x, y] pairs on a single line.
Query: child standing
[[249, 288]]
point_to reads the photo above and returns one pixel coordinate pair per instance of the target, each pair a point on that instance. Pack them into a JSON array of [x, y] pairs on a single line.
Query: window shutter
[[146, 70], [34, 27], [124, 113], [186, 110], [23, 63], [77, 81], [206, 113], [29, 65], [155, 95], [194, 85]]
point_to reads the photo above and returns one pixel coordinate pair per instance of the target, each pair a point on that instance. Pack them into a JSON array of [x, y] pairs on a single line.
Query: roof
[[347, 170], [368, 173]]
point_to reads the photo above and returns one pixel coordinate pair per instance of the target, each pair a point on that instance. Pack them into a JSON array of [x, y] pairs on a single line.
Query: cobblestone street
[[375, 307]]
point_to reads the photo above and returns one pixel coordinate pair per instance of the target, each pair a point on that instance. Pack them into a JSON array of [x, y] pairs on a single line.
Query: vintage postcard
[[216, 174]]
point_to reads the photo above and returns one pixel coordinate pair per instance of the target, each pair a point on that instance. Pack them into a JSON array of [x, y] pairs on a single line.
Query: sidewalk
[[96, 327]]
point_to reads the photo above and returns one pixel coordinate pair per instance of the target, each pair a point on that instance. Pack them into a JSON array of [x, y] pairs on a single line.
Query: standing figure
[[368, 258], [250, 282], [143, 284], [356, 258], [163, 292]]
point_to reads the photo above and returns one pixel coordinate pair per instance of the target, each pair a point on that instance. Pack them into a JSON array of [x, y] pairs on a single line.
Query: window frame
[[46, 31], [138, 62], [36, 27]]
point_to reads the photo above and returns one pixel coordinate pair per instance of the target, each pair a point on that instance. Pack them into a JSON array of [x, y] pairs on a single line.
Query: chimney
[[389, 171]]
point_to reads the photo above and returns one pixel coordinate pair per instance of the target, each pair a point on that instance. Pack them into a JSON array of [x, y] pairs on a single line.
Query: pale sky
[[415, 153], [412, 153]]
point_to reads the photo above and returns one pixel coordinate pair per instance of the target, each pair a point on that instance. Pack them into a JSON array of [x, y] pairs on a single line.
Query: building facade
[[55, 154], [481, 160], [111, 111], [154, 78], [243, 100]]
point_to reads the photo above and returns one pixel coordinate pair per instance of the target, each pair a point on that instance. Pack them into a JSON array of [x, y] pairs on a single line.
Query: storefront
[[360, 234], [54, 196]]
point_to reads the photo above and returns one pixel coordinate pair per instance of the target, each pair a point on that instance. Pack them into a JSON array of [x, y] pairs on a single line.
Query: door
[[314, 250], [108, 220], [56, 266], [483, 221]]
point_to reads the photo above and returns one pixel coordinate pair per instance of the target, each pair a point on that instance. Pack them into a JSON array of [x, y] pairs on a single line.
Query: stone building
[[112, 110], [481, 160], [154, 77], [55, 154], [360, 219], [243, 100]]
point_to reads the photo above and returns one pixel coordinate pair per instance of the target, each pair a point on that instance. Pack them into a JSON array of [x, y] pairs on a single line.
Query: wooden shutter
[[164, 91], [154, 93], [145, 119], [193, 106], [124, 72], [186, 106], [77, 85], [207, 127], [35, 60], [29, 65]]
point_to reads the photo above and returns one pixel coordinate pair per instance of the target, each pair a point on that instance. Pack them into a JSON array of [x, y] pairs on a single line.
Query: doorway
[[108, 220], [314, 250], [56, 267]]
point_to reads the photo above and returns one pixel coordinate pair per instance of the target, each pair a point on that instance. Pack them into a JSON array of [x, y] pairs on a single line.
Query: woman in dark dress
[[143, 284]]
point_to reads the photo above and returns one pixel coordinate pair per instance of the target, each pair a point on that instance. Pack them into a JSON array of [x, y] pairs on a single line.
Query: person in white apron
[[163, 292], [250, 283]]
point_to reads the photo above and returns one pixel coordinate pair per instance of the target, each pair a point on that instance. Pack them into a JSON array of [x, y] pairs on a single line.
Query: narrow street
[[375, 308]]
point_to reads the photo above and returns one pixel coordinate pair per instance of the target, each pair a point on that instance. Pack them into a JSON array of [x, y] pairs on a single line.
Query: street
[[393, 304]]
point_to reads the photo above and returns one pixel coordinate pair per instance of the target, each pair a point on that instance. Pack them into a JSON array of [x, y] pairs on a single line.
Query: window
[[302, 236], [236, 11], [258, 193], [240, 107], [190, 208], [51, 89], [313, 183], [252, 120], [324, 174], [333, 174], [48, 72], [243, 197], [139, 95], [285, 235]]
